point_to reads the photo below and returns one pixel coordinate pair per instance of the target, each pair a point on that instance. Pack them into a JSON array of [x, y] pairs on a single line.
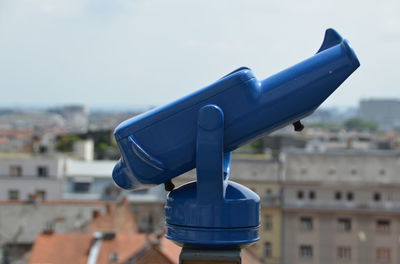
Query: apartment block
[[26, 177], [341, 207], [384, 112]]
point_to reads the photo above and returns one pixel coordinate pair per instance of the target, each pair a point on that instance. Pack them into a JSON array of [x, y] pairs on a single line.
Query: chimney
[[84, 149], [95, 214], [48, 229], [109, 208], [108, 235]]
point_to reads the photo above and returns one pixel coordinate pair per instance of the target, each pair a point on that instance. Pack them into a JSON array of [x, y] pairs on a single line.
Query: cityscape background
[[72, 70], [330, 194]]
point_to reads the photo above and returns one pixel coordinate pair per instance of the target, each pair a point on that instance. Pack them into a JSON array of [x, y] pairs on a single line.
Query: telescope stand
[[200, 256], [212, 218]]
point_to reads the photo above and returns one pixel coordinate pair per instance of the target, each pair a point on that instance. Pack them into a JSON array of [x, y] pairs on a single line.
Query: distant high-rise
[[385, 112]]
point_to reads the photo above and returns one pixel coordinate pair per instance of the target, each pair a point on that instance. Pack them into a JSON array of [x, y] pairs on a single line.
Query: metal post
[[200, 256]]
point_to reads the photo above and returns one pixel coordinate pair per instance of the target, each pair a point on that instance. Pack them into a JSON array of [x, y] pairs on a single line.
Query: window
[[383, 225], [338, 195], [300, 195], [344, 253], [305, 251], [268, 222], [311, 195], [353, 171], [267, 249], [13, 194], [81, 187], [306, 224], [331, 171], [42, 171], [383, 254], [350, 196], [344, 224], [15, 171], [382, 172], [303, 171], [333, 139], [41, 194], [377, 197]]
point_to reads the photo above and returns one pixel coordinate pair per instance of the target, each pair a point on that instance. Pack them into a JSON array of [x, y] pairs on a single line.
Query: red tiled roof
[[118, 218], [61, 249], [249, 258], [75, 248], [124, 245], [153, 256], [170, 249]]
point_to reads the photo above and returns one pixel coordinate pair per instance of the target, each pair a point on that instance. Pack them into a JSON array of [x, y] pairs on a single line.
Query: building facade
[[91, 180], [384, 112], [26, 177], [341, 207], [316, 207]]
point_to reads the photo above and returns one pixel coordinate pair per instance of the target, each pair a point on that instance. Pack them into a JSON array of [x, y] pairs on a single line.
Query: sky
[[122, 53]]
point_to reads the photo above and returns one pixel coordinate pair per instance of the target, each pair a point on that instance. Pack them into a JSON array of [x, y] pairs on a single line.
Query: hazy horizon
[[146, 107]]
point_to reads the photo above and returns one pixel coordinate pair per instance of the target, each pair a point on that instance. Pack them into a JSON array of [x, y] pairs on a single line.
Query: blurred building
[[341, 207], [26, 177], [22, 221], [33, 178], [334, 201], [15, 140], [91, 180], [321, 140], [108, 120], [76, 117], [83, 149], [110, 237], [324, 207], [148, 208], [384, 112], [32, 120]]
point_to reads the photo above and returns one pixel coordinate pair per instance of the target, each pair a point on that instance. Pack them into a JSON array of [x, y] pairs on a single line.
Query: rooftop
[[98, 168]]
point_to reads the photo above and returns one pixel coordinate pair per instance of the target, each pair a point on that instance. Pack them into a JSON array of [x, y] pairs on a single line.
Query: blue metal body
[[212, 211], [160, 144], [200, 131]]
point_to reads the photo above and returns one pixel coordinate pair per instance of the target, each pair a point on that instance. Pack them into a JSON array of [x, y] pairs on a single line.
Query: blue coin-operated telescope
[[200, 131]]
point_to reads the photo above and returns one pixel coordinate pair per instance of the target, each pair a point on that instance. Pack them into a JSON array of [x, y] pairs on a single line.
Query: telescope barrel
[[161, 144]]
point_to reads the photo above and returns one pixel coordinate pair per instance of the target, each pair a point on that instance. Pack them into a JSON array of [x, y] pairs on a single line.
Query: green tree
[[360, 124], [65, 143]]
